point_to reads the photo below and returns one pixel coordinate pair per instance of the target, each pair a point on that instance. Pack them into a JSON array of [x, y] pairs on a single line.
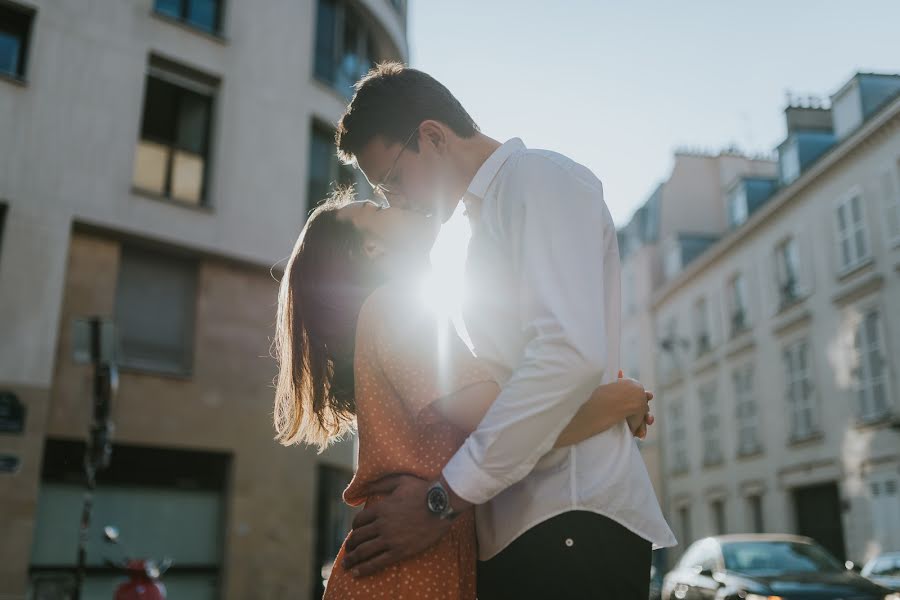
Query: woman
[[356, 349]]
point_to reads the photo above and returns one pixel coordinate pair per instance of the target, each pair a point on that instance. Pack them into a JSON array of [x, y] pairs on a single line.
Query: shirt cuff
[[468, 480]]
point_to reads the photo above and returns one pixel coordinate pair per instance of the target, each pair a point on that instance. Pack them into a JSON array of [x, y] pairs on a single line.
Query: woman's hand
[[635, 401]]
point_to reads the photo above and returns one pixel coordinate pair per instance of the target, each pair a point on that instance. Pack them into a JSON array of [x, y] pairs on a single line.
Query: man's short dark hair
[[390, 101]]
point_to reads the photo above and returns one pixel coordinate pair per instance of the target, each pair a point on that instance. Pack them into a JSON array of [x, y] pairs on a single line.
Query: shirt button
[[570, 542]]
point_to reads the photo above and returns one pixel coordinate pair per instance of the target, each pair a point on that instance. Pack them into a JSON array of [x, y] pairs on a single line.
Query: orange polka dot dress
[[405, 361]]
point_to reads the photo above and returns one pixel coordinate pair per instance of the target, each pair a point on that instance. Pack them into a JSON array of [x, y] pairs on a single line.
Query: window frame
[[856, 384], [743, 379], [738, 304], [186, 363], [678, 437], [367, 39], [787, 276], [805, 379], [853, 229], [702, 334], [890, 174], [29, 14], [710, 424], [185, 81], [182, 18]]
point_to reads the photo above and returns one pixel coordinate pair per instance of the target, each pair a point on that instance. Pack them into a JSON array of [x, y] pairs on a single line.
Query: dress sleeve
[[422, 357]]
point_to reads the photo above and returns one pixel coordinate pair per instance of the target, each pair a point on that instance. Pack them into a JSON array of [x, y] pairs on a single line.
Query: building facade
[[157, 162], [679, 219], [776, 361]]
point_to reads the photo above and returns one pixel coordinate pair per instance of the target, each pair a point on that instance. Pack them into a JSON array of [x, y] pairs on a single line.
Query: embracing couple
[[504, 467]]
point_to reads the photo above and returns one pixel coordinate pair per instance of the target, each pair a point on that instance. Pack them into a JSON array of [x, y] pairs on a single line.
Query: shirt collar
[[489, 169]]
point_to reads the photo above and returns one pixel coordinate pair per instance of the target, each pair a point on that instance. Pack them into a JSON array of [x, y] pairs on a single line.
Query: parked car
[[884, 570], [765, 567]]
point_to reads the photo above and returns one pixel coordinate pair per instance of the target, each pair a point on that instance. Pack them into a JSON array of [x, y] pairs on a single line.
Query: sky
[[618, 85]]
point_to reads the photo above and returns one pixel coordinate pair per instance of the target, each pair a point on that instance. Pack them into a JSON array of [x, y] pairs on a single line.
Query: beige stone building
[[678, 221], [157, 159], [775, 348]]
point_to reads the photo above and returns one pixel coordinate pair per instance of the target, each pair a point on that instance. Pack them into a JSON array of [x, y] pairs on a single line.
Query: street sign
[[9, 463], [12, 413]]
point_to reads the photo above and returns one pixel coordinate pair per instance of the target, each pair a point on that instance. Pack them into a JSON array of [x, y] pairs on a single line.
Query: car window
[[775, 557], [886, 566]]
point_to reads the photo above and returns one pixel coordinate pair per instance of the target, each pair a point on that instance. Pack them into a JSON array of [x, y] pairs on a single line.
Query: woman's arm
[[608, 405]]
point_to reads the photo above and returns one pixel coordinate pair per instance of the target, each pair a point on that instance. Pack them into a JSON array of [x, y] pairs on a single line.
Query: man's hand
[[395, 528]]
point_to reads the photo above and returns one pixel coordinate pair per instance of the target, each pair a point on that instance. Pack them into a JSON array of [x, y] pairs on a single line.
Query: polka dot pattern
[[403, 363]]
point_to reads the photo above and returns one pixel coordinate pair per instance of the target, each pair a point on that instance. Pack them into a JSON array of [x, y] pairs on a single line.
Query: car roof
[[761, 537]]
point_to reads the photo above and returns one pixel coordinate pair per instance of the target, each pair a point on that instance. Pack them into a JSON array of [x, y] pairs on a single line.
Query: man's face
[[418, 180]]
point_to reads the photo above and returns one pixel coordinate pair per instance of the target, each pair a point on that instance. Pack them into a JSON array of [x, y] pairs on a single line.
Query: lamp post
[[94, 343]]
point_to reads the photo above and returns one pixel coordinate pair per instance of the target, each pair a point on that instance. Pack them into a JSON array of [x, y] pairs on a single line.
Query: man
[[576, 522]]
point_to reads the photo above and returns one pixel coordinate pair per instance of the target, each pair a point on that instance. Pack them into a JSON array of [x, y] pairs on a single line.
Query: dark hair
[[326, 281], [391, 101]]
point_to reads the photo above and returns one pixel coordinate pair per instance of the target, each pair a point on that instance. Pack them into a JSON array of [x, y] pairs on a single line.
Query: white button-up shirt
[[543, 274]]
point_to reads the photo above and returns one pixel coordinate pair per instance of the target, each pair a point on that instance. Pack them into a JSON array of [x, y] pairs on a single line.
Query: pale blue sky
[[617, 84]]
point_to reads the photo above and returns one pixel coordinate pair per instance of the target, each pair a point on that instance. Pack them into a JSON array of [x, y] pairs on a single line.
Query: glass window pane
[[193, 122], [160, 103], [204, 14], [842, 218], [861, 250], [855, 209], [187, 177], [326, 19], [150, 164], [10, 48], [172, 8]]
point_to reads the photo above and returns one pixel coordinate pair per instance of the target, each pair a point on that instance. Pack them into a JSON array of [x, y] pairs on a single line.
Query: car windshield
[[774, 557], [886, 566]]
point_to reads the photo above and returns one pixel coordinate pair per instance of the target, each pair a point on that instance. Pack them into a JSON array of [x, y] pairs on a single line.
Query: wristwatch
[[438, 501]]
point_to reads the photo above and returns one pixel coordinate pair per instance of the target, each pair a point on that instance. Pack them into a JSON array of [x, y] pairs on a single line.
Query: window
[[684, 518], [172, 158], [165, 502], [325, 170], [800, 399], [738, 305], [155, 300], [755, 511], [2, 224], [678, 438], [890, 197], [15, 35], [745, 404], [737, 205], [205, 15], [869, 369], [786, 269], [709, 422], [334, 519], [701, 327], [717, 508], [851, 230], [345, 45], [885, 491]]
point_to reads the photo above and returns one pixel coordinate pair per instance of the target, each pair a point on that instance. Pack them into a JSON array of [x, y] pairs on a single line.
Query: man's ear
[[435, 133]]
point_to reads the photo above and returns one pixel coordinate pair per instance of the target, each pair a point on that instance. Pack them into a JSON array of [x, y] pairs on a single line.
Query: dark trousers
[[573, 556]]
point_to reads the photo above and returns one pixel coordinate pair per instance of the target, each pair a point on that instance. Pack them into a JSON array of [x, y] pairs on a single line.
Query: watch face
[[437, 500]]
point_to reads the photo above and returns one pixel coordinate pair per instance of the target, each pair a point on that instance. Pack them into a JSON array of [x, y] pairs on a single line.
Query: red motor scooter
[[143, 574]]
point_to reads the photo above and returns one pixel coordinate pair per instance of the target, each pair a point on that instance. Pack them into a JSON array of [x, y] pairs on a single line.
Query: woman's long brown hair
[[326, 281]]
